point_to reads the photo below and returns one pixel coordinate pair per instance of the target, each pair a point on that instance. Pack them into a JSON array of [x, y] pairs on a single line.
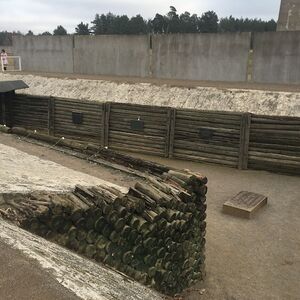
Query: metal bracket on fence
[[77, 117], [206, 133], [137, 125]]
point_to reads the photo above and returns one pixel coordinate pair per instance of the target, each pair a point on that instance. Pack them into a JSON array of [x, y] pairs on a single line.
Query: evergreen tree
[[29, 33], [173, 21], [208, 22], [137, 25], [60, 31], [46, 33], [82, 29]]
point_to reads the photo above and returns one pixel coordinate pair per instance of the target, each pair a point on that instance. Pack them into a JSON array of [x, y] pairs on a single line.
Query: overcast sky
[[45, 15]]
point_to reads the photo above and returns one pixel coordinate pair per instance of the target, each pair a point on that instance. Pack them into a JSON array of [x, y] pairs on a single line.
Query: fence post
[[244, 141], [51, 115], [171, 132], [103, 117], [106, 124]]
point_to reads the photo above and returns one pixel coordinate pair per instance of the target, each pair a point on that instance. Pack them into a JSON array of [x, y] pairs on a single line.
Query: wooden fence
[[240, 140]]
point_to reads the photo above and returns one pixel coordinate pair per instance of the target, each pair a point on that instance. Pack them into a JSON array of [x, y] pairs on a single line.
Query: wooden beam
[[107, 117], [244, 141], [51, 116], [172, 132]]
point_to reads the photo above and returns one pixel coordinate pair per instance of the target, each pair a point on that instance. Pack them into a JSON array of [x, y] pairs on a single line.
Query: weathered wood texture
[[30, 111], [275, 144], [152, 137], [5, 108], [207, 136], [2, 110], [238, 140], [90, 129], [154, 232], [244, 141]]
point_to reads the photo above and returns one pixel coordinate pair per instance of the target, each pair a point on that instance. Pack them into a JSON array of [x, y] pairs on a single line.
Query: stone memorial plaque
[[244, 204]]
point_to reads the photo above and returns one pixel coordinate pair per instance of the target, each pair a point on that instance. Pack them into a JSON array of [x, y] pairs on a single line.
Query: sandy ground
[[246, 259], [193, 96], [21, 172]]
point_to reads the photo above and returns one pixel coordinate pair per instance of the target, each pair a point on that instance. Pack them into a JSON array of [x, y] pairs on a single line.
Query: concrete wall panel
[[45, 53], [289, 15], [120, 55], [218, 57], [276, 57], [8, 49]]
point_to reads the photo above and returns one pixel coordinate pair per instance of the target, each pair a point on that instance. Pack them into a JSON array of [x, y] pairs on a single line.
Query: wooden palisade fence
[[240, 140]]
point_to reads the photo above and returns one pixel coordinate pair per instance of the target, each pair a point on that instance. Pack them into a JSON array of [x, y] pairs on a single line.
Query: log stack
[[154, 233]]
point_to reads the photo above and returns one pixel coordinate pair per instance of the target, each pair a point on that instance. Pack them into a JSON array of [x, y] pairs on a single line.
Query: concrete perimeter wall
[[121, 55], [45, 53], [218, 57], [276, 57], [215, 57], [8, 49]]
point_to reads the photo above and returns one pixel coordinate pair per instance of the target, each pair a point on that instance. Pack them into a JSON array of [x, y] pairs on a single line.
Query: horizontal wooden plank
[[275, 133], [275, 140], [205, 154], [280, 127], [282, 151], [191, 157], [184, 145], [234, 139], [289, 163], [145, 132], [29, 103], [279, 157], [196, 128], [77, 101], [127, 123], [138, 107], [275, 119], [137, 114], [196, 114], [207, 123], [136, 144], [76, 107], [275, 146], [86, 119], [133, 136]]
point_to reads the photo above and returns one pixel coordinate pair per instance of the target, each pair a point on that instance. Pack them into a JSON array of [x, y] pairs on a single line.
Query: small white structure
[[14, 64]]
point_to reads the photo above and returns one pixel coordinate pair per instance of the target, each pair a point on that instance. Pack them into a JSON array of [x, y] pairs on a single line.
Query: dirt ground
[[246, 259]]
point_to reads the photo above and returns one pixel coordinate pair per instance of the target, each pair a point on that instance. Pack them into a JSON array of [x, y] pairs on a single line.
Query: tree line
[[172, 22]]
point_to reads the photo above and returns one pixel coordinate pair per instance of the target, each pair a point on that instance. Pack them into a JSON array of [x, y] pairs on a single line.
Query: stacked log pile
[[154, 233]]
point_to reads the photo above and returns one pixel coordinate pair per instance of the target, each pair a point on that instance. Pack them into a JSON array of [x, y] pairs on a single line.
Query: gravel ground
[[195, 97]]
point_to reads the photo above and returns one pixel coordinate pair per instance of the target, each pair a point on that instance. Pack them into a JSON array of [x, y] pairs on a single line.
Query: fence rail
[[240, 140]]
